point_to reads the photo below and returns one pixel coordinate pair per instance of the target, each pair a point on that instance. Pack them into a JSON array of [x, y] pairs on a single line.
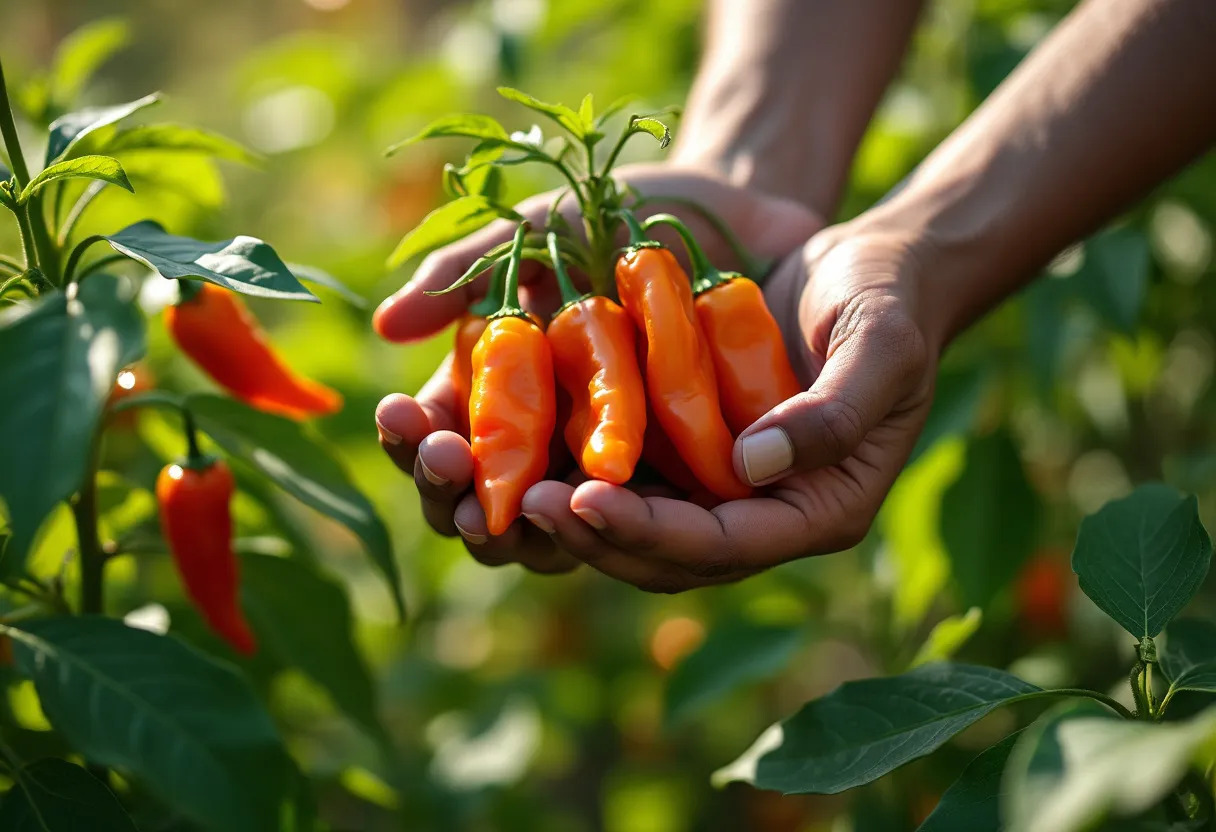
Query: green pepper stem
[[489, 304], [704, 275], [569, 293], [510, 301], [637, 237]]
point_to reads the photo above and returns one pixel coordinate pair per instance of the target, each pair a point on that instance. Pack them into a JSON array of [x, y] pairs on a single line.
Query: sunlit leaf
[[102, 168], [586, 113], [947, 636], [70, 353], [173, 138], [468, 125], [446, 224], [1141, 558], [72, 127], [654, 127], [81, 53], [567, 118], [242, 264]]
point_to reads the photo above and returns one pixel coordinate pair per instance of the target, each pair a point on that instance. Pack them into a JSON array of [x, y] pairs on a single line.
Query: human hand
[[419, 433]]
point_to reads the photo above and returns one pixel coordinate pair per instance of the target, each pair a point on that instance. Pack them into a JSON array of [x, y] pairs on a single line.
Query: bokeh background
[[517, 702]]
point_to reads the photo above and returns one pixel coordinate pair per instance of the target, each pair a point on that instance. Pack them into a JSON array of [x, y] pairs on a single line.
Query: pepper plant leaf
[[72, 127], [734, 654], [948, 636], [868, 728], [653, 126], [565, 117], [284, 453], [973, 801], [305, 619], [103, 168], [170, 138], [53, 794], [1189, 656], [1142, 558], [320, 277], [466, 125], [242, 264], [71, 352], [81, 53], [446, 224], [1115, 276], [187, 727]]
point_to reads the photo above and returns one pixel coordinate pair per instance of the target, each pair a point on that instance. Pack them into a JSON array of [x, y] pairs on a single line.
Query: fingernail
[[766, 454], [541, 522], [475, 539], [592, 518], [431, 476], [388, 436]]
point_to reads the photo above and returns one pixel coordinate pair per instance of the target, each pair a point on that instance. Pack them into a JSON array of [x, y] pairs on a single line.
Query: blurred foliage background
[[513, 702]]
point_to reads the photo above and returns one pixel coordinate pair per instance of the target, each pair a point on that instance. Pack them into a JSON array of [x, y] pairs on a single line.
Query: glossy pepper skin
[[219, 334], [193, 501], [469, 330], [679, 374], [595, 360], [512, 405]]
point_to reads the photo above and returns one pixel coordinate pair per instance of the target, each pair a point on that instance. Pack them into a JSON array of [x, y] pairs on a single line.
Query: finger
[[443, 471], [521, 543], [401, 424], [876, 357], [411, 314], [735, 538], [551, 501]]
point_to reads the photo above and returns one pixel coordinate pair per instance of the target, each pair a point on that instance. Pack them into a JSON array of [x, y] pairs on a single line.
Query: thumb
[[862, 382]]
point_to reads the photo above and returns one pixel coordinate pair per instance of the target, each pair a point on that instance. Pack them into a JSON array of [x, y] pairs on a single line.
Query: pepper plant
[[183, 728], [1089, 760]]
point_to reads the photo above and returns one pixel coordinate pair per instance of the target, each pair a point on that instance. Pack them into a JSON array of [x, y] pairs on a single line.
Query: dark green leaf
[[311, 274], [652, 126], [102, 168], [446, 224], [868, 728], [170, 138], [734, 654], [956, 400], [1114, 278], [989, 519], [82, 52], [71, 128], [305, 619], [242, 264], [1142, 558], [187, 727], [1189, 656], [62, 357], [53, 795], [467, 125], [560, 113], [973, 801], [288, 456]]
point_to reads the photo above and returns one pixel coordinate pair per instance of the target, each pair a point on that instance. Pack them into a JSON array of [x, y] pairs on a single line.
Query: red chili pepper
[[193, 497], [216, 330]]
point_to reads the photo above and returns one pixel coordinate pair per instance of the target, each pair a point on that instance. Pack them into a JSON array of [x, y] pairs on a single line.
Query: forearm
[[1121, 95], [786, 89]]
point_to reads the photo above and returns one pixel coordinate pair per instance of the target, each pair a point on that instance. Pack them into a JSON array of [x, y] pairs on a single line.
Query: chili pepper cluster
[[669, 375]]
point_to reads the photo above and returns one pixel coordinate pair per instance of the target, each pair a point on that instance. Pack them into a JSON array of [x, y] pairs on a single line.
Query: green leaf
[[989, 519], [291, 458], [614, 108], [189, 728], [956, 401], [734, 654], [71, 128], [242, 264], [173, 138], [560, 113], [947, 636], [63, 356], [102, 168], [586, 113], [652, 126], [1189, 656], [865, 729], [82, 52], [305, 619], [1114, 278], [52, 795], [1141, 558], [973, 801], [1073, 769], [311, 274], [446, 224], [467, 125]]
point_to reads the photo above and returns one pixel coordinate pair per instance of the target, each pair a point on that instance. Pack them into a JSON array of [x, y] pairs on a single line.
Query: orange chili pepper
[[193, 498], [593, 339], [679, 373], [216, 330], [468, 331], [748, 351], [511, 406]]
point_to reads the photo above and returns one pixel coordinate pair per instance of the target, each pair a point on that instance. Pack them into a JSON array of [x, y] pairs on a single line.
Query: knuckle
[[713, 564], [840, 426]]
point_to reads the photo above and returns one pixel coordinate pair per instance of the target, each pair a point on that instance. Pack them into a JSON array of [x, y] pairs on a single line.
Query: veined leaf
[[53, 795], [71, 128], [560, 113], [654, 127], [468, 125], [103, 168], [1189, 656], [446, 224]]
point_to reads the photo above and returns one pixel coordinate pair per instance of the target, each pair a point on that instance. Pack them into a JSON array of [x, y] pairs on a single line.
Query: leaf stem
[[69, 271], [86, 198], [92, 558], [1108, 701]]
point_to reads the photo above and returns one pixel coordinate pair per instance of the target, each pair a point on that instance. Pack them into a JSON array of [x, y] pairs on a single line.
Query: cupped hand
[[419, 433]]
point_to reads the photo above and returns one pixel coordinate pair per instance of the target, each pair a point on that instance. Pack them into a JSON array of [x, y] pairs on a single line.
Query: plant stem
[[91, 193], [33, 233], [10, 265], [8, 128], [92, 558]]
